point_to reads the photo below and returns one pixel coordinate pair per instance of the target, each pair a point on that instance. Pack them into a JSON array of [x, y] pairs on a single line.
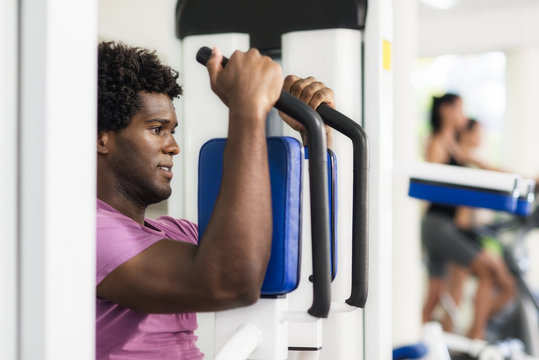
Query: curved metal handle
[[318, 190], [360, 241]]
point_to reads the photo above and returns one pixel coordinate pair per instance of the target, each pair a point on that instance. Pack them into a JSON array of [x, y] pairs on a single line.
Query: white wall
[[140, 23], [152, 26]]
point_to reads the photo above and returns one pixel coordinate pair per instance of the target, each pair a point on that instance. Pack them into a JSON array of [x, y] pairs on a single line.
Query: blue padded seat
[[285, 164], [455, 185]]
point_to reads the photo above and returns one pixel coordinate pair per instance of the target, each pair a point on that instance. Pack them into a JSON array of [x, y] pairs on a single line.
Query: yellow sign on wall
[[386, 54]]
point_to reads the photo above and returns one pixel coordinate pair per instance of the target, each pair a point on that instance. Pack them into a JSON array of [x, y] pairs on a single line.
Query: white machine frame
[[334, 56]]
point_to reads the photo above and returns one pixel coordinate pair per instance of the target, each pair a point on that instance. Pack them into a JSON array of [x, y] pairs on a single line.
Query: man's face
[[141, 155]]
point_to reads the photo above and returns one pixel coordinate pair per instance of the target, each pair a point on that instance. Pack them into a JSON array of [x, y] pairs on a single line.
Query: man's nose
[[171, 147]]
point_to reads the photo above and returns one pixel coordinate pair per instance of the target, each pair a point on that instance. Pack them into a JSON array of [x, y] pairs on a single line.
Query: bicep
[[164, 278]]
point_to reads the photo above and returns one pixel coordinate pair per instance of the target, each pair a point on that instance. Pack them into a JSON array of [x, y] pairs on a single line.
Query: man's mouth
[[167, 170]]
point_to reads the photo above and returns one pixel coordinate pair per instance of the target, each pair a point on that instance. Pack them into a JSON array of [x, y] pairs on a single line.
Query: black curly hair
[[123, 72]]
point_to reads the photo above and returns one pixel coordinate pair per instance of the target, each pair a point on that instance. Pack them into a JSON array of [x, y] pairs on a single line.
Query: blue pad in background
[[285, 158], [457, 185], [414, 351], [462, 195]]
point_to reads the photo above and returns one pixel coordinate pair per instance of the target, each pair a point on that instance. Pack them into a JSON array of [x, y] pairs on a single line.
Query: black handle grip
[[318, 190], [360, 241], [204, 53]]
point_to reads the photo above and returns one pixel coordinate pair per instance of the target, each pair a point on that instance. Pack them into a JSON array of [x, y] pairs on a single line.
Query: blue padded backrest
[[284, 155]]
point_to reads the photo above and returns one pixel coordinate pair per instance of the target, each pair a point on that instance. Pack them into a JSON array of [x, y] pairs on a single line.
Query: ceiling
[[479, 5], [474, 26]]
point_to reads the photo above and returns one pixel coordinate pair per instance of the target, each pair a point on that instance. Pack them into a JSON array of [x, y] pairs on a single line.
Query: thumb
[[214, 64]]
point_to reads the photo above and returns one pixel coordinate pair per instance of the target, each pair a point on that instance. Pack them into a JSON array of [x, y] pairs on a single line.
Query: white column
[[407, 279], [57, 179], [378, 119], [521, 127], [8, 179], [333, 56]]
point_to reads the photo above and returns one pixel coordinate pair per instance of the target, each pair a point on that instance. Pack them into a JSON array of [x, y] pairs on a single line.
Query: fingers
[[298, 85], [309, 90], [313, 93], [317, 94], [289, 81]]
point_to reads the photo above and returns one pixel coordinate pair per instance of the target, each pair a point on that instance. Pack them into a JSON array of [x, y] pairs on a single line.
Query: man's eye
[[173, 131], [156, 130]]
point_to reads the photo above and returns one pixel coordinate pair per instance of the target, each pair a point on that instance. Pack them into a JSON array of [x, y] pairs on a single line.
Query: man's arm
[[228, 268]]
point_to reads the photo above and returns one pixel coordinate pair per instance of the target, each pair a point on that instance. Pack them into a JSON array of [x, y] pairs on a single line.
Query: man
[[151, 275]]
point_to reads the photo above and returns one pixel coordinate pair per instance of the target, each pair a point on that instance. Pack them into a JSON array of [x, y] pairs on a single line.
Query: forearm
[[237, 241]]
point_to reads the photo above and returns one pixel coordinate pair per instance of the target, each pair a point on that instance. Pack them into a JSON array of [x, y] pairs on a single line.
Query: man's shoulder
[[182, 227]]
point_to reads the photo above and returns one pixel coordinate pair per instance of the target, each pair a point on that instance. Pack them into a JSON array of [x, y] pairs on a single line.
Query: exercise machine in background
[[509, 193]]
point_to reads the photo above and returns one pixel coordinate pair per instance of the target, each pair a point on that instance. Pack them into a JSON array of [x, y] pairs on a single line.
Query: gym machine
[[282, 277], [326, 40], [509, 193]]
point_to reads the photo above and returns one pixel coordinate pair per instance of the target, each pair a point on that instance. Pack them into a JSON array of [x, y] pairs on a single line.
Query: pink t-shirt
[[122, 333]]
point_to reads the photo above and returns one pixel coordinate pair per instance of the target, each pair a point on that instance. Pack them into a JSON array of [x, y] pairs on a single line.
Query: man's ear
[[103, 142]]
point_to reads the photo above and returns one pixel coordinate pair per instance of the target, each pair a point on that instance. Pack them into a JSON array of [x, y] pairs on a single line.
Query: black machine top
[[267, 20]]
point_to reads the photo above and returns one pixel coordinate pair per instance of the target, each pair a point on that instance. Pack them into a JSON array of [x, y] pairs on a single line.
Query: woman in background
[[444, 242]]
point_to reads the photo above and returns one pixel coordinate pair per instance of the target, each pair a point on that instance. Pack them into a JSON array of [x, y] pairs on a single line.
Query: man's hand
[[250, 83], [311, 92]]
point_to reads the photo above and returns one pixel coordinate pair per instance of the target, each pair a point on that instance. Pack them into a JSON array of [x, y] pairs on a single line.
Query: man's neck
[[125, 206]]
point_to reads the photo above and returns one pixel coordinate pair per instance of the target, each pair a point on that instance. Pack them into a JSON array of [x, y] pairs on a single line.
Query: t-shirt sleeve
[[180, 229], [118, 240]]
